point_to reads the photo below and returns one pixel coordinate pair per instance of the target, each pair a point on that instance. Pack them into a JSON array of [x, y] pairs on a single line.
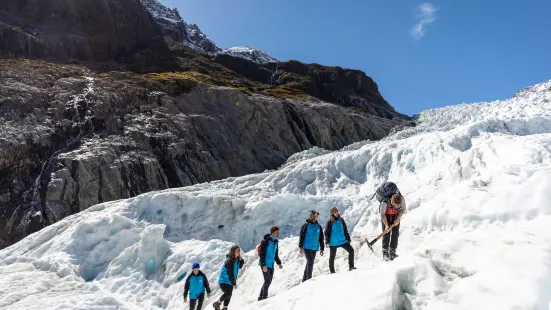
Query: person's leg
[[200, 301], [310, 257], [332, 254], [348, 248], [305, 274], [394, 241], [192, 303], [268, 275], [386, 238], [227, 290], [228, 293]]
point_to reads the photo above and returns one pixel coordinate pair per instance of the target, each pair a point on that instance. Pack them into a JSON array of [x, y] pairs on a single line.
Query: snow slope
[[477, 233]]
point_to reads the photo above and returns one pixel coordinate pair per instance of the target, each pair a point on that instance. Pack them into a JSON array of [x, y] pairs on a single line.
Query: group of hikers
[[312, 239]]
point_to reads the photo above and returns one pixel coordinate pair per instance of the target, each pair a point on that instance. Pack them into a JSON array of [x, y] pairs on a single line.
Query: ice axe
[[370, 244]]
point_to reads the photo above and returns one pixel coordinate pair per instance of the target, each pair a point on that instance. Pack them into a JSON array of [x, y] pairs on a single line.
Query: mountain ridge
[[192, 36]]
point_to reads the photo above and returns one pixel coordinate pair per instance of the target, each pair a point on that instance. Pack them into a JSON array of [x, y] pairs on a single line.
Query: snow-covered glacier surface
[[477, 234]]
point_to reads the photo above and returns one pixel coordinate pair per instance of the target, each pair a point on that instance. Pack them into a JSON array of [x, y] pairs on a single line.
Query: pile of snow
[[476, 180], [252, 54]]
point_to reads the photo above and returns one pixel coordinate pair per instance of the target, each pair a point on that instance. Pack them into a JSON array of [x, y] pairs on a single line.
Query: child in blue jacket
[[196, 284]]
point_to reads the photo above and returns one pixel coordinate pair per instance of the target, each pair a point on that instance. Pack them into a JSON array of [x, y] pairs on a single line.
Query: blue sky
[[461, 51]]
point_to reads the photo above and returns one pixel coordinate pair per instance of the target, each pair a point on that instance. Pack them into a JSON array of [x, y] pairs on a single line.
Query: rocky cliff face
[[174, 26], [112, 106], [85, 29]]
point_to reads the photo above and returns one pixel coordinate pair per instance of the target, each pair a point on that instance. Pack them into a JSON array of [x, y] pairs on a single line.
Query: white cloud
[[426, 15]]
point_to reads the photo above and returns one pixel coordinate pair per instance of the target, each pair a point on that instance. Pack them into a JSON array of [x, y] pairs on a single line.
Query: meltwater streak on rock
[[37, 206]]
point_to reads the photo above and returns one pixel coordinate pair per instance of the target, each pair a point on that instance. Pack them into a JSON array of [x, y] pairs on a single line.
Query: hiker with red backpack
[[310, 241], [269, 254], [392, 207], [336, 236]]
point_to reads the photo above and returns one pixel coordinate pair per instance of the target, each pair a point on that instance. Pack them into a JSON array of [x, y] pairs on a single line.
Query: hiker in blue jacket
[[196, 284], [269, 255], [310, 241], [228, 276], [336, 236]]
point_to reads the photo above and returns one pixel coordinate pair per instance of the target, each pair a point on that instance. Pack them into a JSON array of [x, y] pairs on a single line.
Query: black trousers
[[390, 240], [310, 257], [198, 302], [268, 276], [333, 253], [228, 290]]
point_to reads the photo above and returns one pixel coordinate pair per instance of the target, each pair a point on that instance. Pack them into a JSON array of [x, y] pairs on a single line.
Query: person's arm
[[322, 246], [263, 249], [397, 220], [277, 260], [241, 262], [328, 232], [302, 235], [206, 283], [346, 234], [186, 286], [229, 269], [382, 209]]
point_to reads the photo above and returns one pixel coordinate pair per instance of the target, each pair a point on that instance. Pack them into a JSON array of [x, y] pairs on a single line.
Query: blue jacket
[[230, 271], [269, 252], [336, 232], [311, 236], [196, 285]]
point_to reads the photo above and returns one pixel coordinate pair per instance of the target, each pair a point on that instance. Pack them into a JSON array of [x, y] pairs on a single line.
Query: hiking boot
[[386, 255], [216, 305], [352, 268], [225, 308], [392, 254]]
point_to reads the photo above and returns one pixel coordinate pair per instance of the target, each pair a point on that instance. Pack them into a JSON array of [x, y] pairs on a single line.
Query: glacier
[[477, 232]]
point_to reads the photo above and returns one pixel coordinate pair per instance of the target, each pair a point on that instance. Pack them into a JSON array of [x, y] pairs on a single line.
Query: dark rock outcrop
[[262, 73], [172, 25], [350, 88], [84, 29]]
